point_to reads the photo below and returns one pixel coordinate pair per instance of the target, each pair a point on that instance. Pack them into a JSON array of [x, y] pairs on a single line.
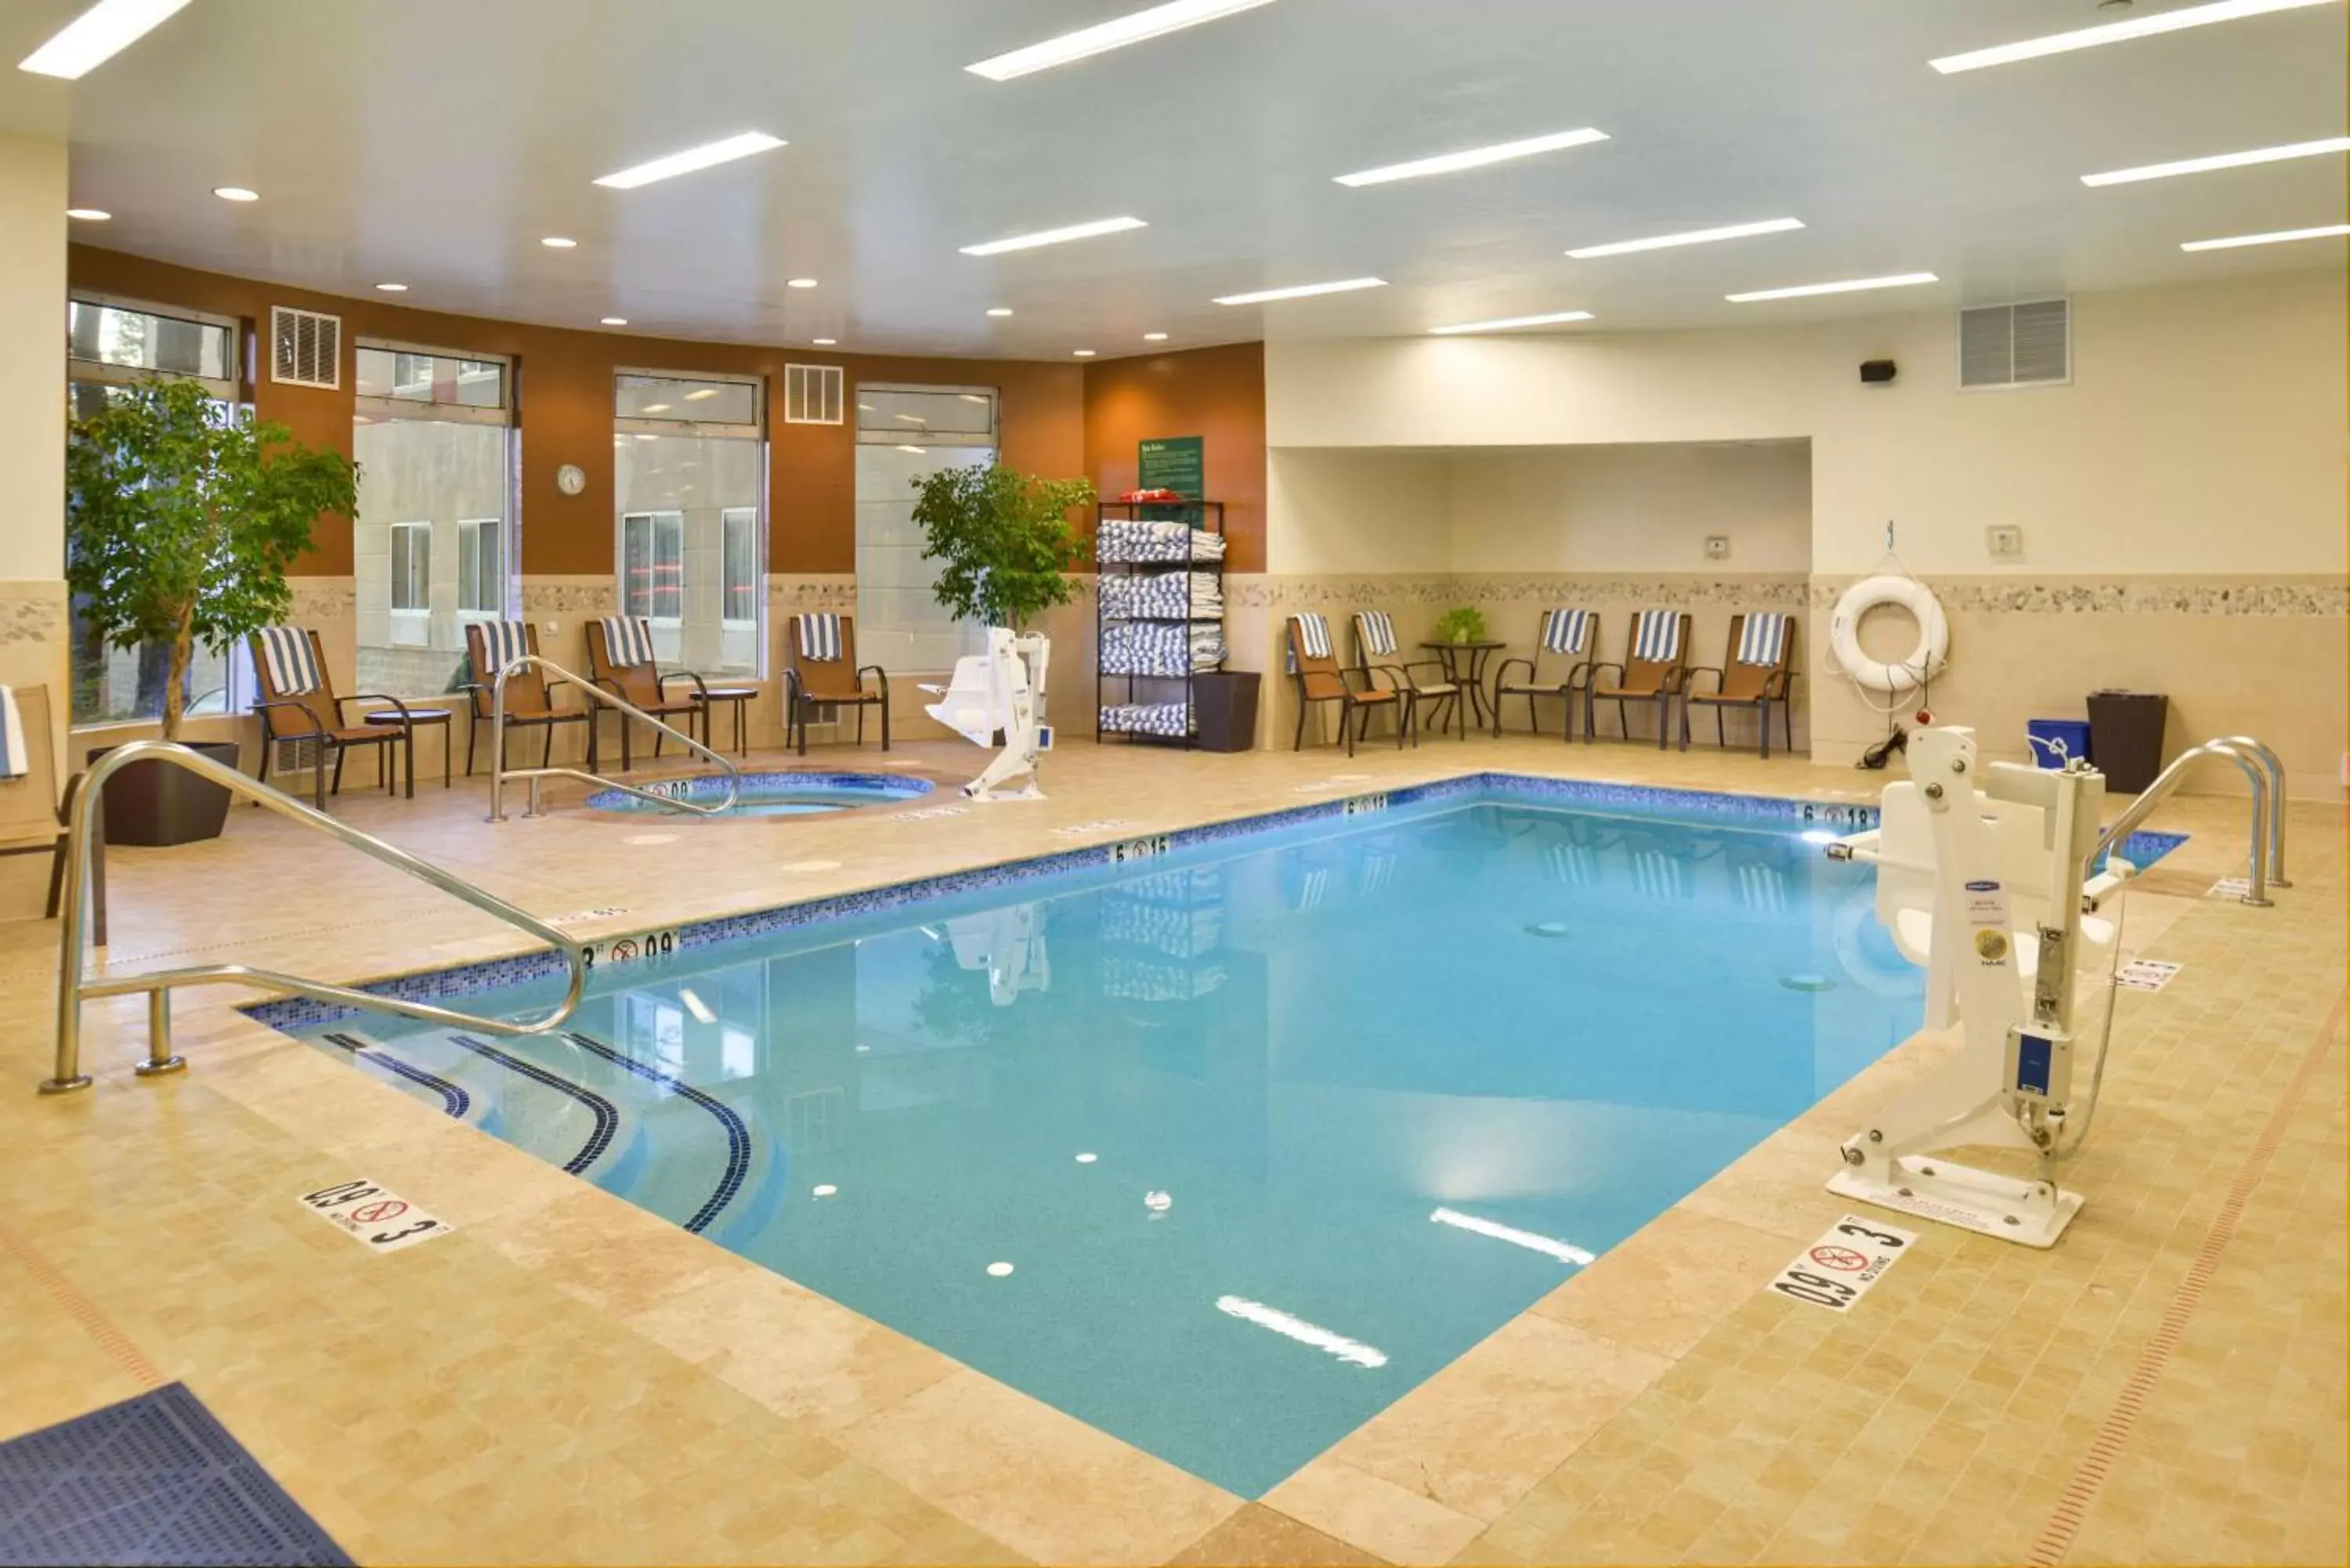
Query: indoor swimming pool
[[1225, 1145]]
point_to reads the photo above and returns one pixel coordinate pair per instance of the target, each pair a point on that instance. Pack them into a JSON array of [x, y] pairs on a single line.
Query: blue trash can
[[2055, 741]]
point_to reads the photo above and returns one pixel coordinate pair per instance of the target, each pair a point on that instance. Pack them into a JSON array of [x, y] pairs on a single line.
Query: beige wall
[[1358, 512], [1633, 509]]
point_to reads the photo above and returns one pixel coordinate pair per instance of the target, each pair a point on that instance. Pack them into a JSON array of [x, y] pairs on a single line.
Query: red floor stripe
[[78, 1307]]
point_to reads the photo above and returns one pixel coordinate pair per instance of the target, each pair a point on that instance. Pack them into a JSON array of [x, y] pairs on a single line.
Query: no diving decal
[[1842, 1266], [377, 1219]]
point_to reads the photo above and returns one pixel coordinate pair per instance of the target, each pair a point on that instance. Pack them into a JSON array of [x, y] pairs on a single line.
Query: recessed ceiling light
[[2220, 161], [1084, 353], [2117, 33], [1693, 238], [616, 321], [557, 243], [699, 393], [1055, 236], [2331, 231], [1154, 337], [1107, 36], [1453, 162], [1850, 285], [1511, 323], [656, 408], [96, 35], [800, 283], [824, 342], [1001, 310], [235, 193], [392, 287], [692, 159], [1302, 291], [89, 215]]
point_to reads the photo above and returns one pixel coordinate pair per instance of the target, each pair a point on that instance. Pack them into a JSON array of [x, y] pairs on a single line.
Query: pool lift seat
[[998, 698]]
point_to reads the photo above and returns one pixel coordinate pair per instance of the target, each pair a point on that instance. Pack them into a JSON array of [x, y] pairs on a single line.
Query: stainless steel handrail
[[72, 986], [2269, 760], [2121, 827], [500, 773]]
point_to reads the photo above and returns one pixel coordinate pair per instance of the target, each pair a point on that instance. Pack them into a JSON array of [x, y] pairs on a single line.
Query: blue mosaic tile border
[[302, 1013], [712, 785]]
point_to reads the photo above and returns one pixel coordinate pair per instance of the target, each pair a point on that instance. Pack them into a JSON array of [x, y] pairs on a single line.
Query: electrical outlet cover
[[1717, 546], [2004, 541]]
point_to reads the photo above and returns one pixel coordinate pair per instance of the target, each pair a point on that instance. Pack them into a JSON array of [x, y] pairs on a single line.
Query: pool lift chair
[[1982, 876], [998, 698]]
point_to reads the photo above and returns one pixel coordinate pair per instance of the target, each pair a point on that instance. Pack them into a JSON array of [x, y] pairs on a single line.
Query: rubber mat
[[154, 1479]]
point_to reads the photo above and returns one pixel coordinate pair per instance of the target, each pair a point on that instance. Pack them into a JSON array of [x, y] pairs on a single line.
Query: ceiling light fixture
[[557, 243], [1693, 238], [799, 283], [917, 450], [1154, 337], [392, 287], [1084, 353], [2331, 231], [616, 321], [235, 193], [1850, 285], [89, 215], [1001, 311], [96, 35], [1511, 323], [1565, 1251], [1304, 291], [1477, 157], [2117, 33], [1107, 36], [692, 159], [700, 393], [824, 342], [1054, 237], [2219, 160]]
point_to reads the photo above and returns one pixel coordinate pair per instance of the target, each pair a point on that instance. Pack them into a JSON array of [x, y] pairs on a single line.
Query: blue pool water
[[805, 794], [1269, 1130]]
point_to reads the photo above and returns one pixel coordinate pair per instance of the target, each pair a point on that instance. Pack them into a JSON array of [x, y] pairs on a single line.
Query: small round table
[[740, 696], [413, 720], [1448, 655]]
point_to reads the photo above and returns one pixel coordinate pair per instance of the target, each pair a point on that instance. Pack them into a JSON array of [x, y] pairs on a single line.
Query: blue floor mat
[[154, 1479]]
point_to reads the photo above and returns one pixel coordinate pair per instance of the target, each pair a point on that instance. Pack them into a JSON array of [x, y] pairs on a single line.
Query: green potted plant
[[1466, 624], [182, 518], [1005, 538]]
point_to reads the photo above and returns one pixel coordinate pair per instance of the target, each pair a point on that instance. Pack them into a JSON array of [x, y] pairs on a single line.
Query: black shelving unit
[[1204, 517]]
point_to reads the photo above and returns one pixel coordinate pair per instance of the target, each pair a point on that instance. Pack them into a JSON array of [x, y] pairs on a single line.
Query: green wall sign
[[1179, 463]]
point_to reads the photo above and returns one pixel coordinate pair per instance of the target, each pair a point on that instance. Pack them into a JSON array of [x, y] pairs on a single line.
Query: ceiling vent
[[306, 348], [812, 394], [2027, 345]]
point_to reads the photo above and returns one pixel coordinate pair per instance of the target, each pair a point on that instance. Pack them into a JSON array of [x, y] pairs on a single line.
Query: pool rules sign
[[1839, 1268]]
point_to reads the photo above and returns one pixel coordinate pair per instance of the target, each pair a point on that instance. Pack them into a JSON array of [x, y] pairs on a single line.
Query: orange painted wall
[[1215, 393]]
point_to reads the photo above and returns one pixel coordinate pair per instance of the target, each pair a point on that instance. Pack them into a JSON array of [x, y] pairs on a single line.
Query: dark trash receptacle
[[2126, 737], [1227, 710]]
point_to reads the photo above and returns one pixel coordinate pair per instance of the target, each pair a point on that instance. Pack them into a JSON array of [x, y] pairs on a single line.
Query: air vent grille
[[306, 348], [2024, 345], [813, 395]]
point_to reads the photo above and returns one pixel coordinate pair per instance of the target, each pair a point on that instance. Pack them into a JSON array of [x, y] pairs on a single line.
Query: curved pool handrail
[[500, 773], [2116, 833], [2269, 760]]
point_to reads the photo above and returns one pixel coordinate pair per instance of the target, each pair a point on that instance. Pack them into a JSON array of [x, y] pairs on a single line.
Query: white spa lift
[[1001, 693], [1989, 889]]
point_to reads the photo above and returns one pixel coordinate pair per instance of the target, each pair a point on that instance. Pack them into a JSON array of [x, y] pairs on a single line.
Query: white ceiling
[[433, 142]]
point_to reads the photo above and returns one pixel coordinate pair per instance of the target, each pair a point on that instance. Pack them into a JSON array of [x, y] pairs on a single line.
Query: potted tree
[[1006, 539], [182, 518]]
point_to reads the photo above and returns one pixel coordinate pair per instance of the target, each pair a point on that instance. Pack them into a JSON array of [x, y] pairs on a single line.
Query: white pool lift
[[998, 698], [1989, 888]]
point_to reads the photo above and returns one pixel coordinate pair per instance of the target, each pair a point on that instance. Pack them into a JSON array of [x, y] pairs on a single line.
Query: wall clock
[[570, 478]]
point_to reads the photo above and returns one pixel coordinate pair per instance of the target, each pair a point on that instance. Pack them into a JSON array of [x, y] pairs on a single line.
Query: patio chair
[[491, 646], [1566, 638], [820, 670], [1757, 670], [1654, 669], [33, 816], [1376, 654], [1315, 667], [620, 660], [298, 707]]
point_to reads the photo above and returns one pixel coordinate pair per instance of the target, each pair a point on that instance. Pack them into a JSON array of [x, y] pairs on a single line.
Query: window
[[689, 468], [903, 434], [434, 439]]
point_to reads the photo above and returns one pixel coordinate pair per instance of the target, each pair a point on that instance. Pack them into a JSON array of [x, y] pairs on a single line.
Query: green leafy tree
[[1006, 539], [182, 518]]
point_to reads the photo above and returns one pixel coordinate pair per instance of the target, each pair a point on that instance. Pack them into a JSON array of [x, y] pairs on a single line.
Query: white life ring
[[1924, 661]]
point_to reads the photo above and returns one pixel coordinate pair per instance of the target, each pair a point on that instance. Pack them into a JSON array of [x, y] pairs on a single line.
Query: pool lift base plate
[[2029, 1213]]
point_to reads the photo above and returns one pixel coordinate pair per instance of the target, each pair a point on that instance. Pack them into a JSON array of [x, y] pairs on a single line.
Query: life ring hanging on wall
[[1924, 661]]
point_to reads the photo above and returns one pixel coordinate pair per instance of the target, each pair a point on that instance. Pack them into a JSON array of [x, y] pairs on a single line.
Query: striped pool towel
[[1377, 629], [504, 641], [293, 668], [14, 764], [629, 640], [1572, 864], [1658, 640], [1313, 635], [1567, 630], [819, 637], [1761, 887], [1659, 874], [1764, 640]]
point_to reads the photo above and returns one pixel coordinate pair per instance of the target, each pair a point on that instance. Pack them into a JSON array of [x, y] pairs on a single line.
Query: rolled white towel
[[14, 762]]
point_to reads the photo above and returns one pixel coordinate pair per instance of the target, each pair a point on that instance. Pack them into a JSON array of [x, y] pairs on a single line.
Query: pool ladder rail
[[500, 773], [74, 986]]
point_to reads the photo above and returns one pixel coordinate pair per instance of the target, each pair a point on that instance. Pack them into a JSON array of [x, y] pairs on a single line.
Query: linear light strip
[[96, 35], [1353, 1352], [692, 159], [1477, 157], [1055, 236], [2331, 231], [1511, 323], [1850, 285], [1107, 36], [1304, 291], [1693, 238], [2219, 160], [1564, 1251], [2117, 33]]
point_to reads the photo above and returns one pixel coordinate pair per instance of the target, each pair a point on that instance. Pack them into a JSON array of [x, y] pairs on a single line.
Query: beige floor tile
[[1671, 1282], [1378, 1516], [1261, 1537]]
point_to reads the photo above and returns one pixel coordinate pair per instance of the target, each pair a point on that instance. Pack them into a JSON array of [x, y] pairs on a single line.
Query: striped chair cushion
[[1764, 640], [14, 762], [293, 668], [819, 637], [627, 640], [1567, 630], [1377, 629], [1313, 635], [1658, 639], [504, 641]]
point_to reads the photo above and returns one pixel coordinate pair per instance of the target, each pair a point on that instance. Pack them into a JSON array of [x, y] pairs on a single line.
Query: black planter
[[154, 802]]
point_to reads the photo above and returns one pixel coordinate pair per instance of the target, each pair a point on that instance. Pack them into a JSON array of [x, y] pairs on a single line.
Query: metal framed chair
[[33, 815], [820, 670], [299, 706], [1376, 654], [1757, 670], [492, 645], [1568, 640], [1314, 667], [620, 660], [1655, 668]]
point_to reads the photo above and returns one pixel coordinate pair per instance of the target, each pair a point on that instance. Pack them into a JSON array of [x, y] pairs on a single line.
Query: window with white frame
[[480, 568], [411, 567], [689, 461], [740, 577], [905, 433], [653, 566]]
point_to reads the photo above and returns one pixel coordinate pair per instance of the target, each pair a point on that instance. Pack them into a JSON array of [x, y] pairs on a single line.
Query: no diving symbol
[[624, 949], [1842, 1258], [376, 1213]]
